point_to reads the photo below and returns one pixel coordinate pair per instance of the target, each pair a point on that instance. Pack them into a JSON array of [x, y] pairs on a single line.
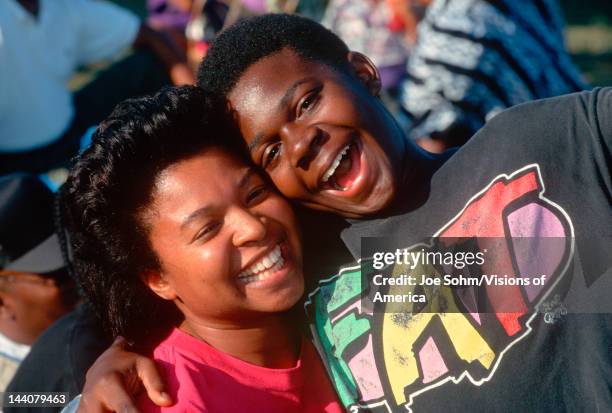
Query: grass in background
[[589, 38]]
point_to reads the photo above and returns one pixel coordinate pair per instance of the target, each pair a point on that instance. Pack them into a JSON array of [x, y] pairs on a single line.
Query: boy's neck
[[419, 168], [274, 342]]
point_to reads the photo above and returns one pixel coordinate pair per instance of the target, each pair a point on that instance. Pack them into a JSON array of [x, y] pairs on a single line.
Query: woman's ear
[[366, 71], [156, 281]]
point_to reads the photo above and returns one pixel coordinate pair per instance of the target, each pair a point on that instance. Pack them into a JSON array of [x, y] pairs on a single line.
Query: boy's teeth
[[328, 174], [264, 267], [337, 186]]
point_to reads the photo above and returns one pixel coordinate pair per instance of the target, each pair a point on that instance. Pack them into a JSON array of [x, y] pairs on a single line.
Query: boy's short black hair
[[110, 187], [252, 39]]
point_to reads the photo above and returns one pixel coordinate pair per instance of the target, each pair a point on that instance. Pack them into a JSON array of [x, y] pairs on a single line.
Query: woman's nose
[[249, 227]]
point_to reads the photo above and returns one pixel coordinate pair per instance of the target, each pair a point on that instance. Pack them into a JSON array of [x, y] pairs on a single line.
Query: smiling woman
[[176, 232], [229, 250]]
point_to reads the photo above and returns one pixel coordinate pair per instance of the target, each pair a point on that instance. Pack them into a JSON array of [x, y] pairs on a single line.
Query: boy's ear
[[158, 284], [366, 71]]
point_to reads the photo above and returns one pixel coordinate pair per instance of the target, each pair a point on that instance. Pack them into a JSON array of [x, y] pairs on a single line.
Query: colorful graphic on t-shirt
[[382, 360]]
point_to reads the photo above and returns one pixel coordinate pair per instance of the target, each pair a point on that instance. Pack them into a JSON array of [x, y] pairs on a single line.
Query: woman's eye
[[270, 155], [208, 231], [257, 194]]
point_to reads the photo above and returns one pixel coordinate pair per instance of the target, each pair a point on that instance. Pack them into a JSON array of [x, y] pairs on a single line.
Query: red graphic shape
[[484, 218]]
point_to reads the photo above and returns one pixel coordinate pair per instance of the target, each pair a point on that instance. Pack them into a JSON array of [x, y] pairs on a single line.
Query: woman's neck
[[273, 342]]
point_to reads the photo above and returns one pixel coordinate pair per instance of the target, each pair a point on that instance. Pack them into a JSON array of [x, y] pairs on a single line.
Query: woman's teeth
[[265, 267], [332, 169]]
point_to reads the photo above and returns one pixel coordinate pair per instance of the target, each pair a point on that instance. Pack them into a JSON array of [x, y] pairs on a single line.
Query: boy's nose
[[302, 144]]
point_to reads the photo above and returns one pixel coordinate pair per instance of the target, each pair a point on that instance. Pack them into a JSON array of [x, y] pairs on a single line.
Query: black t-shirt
[[541, 169], [60, 358]]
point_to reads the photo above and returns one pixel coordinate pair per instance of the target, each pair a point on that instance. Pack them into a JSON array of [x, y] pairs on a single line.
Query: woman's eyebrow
[[246, 177], [242, 182], [195, 215]]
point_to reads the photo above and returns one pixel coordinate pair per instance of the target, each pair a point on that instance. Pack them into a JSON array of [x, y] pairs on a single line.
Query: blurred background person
[[374, 28], [474, 58], [42, 44], [170, 16], [41, 313], [35, 289]]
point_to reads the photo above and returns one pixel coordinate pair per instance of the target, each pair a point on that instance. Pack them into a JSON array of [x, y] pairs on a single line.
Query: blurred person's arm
[[116, 377], [433, 145], [168, 52], [105, 29]]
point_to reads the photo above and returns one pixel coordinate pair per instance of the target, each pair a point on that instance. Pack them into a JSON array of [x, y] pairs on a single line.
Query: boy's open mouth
[[344, 169]]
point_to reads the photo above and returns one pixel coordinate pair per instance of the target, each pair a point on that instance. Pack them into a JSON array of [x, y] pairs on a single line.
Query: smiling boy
[[308, 110], [306, 103]]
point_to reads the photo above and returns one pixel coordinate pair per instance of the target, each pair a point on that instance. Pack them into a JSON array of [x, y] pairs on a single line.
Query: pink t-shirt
[[201, 378]]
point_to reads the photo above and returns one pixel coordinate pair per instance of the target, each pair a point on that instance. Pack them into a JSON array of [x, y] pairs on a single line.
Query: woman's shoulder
[[184, 366]]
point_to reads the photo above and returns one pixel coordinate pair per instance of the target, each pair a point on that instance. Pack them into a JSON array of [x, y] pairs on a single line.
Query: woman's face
[[228, 243]]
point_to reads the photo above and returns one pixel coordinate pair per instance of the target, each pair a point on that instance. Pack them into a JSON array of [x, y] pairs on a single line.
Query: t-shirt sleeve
[[602, 121], [104, 29], [603, 116], [586, 119]]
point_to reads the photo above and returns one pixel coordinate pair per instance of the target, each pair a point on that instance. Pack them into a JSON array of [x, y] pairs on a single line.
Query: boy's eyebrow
[[282, 103], [288, 96], [256, 141]]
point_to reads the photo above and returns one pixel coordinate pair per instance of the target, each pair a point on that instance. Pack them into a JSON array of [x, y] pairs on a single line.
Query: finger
[[120, 342], [87, 406], [115, 398], [153, 382]]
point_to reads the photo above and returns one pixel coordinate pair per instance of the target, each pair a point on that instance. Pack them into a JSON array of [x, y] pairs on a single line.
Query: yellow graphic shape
[[402, 329]]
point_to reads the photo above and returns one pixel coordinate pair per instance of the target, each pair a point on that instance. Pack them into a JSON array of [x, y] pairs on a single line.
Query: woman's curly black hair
[[110, 186]]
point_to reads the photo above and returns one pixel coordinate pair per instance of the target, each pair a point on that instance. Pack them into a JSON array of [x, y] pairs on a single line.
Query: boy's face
[[227, 242], [322, 136]]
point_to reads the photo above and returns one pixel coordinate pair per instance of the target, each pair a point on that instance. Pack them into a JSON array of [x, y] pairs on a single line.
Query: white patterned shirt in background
[[475, 58]]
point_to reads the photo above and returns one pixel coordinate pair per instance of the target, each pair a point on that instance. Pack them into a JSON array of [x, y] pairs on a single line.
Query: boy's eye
[[270, 154], [309, 102]]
